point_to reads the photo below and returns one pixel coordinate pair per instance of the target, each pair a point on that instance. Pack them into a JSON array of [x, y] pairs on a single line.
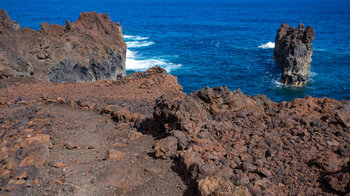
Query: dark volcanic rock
[[299, 147], [293, 51], [91, 48]]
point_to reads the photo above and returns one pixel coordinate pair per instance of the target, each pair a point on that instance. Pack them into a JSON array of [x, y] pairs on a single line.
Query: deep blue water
[[211, 43]]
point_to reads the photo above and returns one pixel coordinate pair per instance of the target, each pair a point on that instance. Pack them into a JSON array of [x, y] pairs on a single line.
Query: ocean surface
[[221, 42]]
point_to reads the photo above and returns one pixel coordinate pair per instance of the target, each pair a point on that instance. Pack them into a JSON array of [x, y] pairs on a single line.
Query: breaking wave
[[134, 37], [268, 45], [138, 44], [136, 62]]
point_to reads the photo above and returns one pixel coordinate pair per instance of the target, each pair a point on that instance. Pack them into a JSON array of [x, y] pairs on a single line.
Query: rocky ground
[[142, 135], [227, 142], [85, 138]]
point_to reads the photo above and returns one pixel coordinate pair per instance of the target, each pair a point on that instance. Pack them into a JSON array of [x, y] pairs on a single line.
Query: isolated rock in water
[[89, 49], [293, 51]]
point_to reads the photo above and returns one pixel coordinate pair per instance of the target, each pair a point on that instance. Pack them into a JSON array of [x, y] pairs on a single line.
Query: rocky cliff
[[89, 49], [293, 51]]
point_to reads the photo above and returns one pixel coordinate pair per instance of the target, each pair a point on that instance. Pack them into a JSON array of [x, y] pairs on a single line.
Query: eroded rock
[[268, 148], [293, 51], [166, 147], [89, 49]]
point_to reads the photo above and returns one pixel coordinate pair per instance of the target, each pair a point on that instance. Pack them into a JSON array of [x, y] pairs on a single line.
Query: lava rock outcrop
[[89, 49], [292, 53], [228, 142]]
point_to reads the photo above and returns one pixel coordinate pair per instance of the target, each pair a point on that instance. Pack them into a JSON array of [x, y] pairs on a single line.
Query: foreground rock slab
[[293, 51], [229, 143], [89, 49]]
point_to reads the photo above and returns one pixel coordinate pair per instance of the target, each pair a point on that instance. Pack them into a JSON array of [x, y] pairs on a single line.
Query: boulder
[[292, 53], [166, 147]]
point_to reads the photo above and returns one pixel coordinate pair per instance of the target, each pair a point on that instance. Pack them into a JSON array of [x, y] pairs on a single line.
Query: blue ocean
[[221, 42]]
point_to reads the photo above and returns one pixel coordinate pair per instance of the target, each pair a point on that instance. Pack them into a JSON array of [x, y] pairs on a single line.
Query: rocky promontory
[[89, 49], [292, 53]]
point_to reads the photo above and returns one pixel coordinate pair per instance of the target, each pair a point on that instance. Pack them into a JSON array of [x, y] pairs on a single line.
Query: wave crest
[[268, 45], [135, 63], [132, 37], [139, 44]]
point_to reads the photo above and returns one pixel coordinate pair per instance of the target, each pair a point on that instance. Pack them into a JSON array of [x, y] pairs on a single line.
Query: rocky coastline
[[81, 131]]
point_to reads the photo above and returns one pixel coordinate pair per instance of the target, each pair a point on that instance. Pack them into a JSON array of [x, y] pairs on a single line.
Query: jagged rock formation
[[293, 51], [89, 49], [228, 142]]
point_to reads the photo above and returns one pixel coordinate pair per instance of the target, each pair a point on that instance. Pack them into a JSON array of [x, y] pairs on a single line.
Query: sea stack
[[89, 49], [292, 53]]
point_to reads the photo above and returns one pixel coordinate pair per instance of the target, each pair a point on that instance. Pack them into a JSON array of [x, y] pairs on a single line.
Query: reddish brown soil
[[137, 92], [81, 138]]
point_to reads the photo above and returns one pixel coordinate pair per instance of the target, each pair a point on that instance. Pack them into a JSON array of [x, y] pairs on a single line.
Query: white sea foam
[[132, 37], [312, 74], [277, 83], [139, 44], [133, 41], [136, 63], [268, 45]]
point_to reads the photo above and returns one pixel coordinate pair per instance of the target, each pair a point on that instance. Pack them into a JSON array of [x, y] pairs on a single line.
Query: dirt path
[[54, 141], [90, 154]]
